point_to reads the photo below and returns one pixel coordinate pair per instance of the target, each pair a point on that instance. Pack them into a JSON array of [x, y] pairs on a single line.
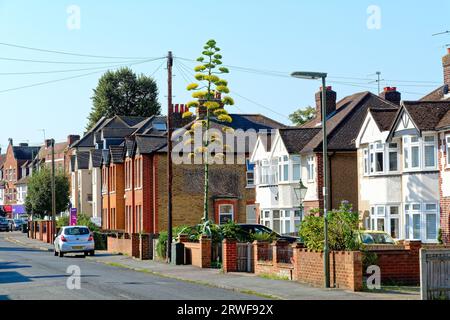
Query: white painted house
[[279, 167], [398, 172]]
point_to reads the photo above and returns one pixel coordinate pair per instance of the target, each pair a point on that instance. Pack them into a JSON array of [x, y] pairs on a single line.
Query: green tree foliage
[[302, 116], [342, 224], [209, 102], [122, 92], [39, 195], [82, 220]]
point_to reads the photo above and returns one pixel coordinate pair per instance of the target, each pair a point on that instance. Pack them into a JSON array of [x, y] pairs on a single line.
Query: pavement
[[236, 283]]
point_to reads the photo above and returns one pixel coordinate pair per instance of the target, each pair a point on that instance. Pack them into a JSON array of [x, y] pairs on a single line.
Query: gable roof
[[295, 139], [343, 126], [427, 114], [383, 117], [96, 158], [117, 154], [25, 152], [82, 159], [147, 144]]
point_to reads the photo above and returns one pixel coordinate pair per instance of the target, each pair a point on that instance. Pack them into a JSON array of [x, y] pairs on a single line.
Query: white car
[[77, 239]]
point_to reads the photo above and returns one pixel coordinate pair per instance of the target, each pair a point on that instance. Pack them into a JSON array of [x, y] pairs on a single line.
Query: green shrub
[[82, 220], [342, 224], [262, 237], [232, 231], [162, 240]]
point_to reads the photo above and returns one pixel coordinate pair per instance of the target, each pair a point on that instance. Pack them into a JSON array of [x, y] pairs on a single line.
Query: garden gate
[[435, 274], [245, 258]]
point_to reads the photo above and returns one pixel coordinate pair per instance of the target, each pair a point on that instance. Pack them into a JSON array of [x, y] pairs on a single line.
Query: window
[[430, 151], [296, 168], [286, 218], [431, 223], [366, 161], [226, 213], [393, 156], [447, 139], [420, 152], [250, 173], [379, 157], [265, 219], [276, 221], [283, 168], [311, 169]]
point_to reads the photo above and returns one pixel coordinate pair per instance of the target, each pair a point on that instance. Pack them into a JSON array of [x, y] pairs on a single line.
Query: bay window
[[283, 168], [393, 157], [380, 158], [420, 153]]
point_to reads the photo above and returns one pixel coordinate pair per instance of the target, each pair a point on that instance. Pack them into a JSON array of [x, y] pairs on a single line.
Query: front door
[[251, 214]]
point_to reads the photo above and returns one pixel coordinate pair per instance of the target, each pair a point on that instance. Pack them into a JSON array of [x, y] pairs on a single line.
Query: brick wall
[[188, 192], [446, 65], [399, 264], [229, 255], [307, 267], [198, 253], [125, 245]]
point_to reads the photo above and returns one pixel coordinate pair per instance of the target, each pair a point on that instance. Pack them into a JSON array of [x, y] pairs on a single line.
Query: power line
[[64, 79], [63, 71], [69, 62], [287, 75], [71, 53]]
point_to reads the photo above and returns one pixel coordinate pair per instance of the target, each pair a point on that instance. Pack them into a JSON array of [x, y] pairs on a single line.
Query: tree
[[39, 195], [124, 93], [302, 116], [342, 224], [209, 103]]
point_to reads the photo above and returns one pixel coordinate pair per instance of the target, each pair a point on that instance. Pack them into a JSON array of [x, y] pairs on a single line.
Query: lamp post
[[323, 76], [51, 143], [300, 192]]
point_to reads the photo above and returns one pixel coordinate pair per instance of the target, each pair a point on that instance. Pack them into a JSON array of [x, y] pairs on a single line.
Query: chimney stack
[[71, 139], [391, 94], [330, 102], [446, 65], [10, 140]]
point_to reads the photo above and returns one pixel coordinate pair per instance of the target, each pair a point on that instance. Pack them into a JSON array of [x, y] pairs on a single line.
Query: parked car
[[11, 225], [263, 230], [4, 224], [74, 239], [369, 237], [17, 223]]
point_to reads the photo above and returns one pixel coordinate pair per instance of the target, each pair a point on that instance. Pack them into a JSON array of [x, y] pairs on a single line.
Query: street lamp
[[300, 191], [323, 76]]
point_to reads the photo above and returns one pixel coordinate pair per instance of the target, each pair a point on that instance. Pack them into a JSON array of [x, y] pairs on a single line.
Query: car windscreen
[[377, 238], [76, 231]]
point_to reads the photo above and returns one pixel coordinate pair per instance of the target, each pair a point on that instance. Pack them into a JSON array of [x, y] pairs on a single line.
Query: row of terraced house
[[388, 157]]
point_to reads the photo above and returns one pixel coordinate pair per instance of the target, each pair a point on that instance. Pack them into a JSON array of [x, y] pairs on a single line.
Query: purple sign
[[73, 216]]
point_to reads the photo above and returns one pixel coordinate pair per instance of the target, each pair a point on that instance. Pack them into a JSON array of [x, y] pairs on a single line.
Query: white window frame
[[366, 162], [389, 150], [248, 171], [435, 147], [295, 162], [223, 214], [447, 149], [311, 169], [283, 164]]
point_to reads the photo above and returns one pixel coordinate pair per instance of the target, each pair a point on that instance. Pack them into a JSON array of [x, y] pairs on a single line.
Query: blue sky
[[284, 35]]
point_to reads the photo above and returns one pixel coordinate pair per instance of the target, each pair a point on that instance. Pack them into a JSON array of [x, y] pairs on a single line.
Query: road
[[29, 274]]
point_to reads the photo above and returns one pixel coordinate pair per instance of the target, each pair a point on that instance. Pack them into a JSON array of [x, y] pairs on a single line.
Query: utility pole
[[52, 145], [169, 156], [379, 82]]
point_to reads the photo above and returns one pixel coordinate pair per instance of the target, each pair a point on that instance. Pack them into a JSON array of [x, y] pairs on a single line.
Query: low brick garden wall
[[399, 264], [293, 262], [197, 253], [125, 244], [41, 230]]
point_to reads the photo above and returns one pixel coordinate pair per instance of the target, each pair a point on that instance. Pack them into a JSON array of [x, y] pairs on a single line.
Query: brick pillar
[[205, 248], [135, 245], [144, 247], [357, 281], [229, 254], [297, 247]]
